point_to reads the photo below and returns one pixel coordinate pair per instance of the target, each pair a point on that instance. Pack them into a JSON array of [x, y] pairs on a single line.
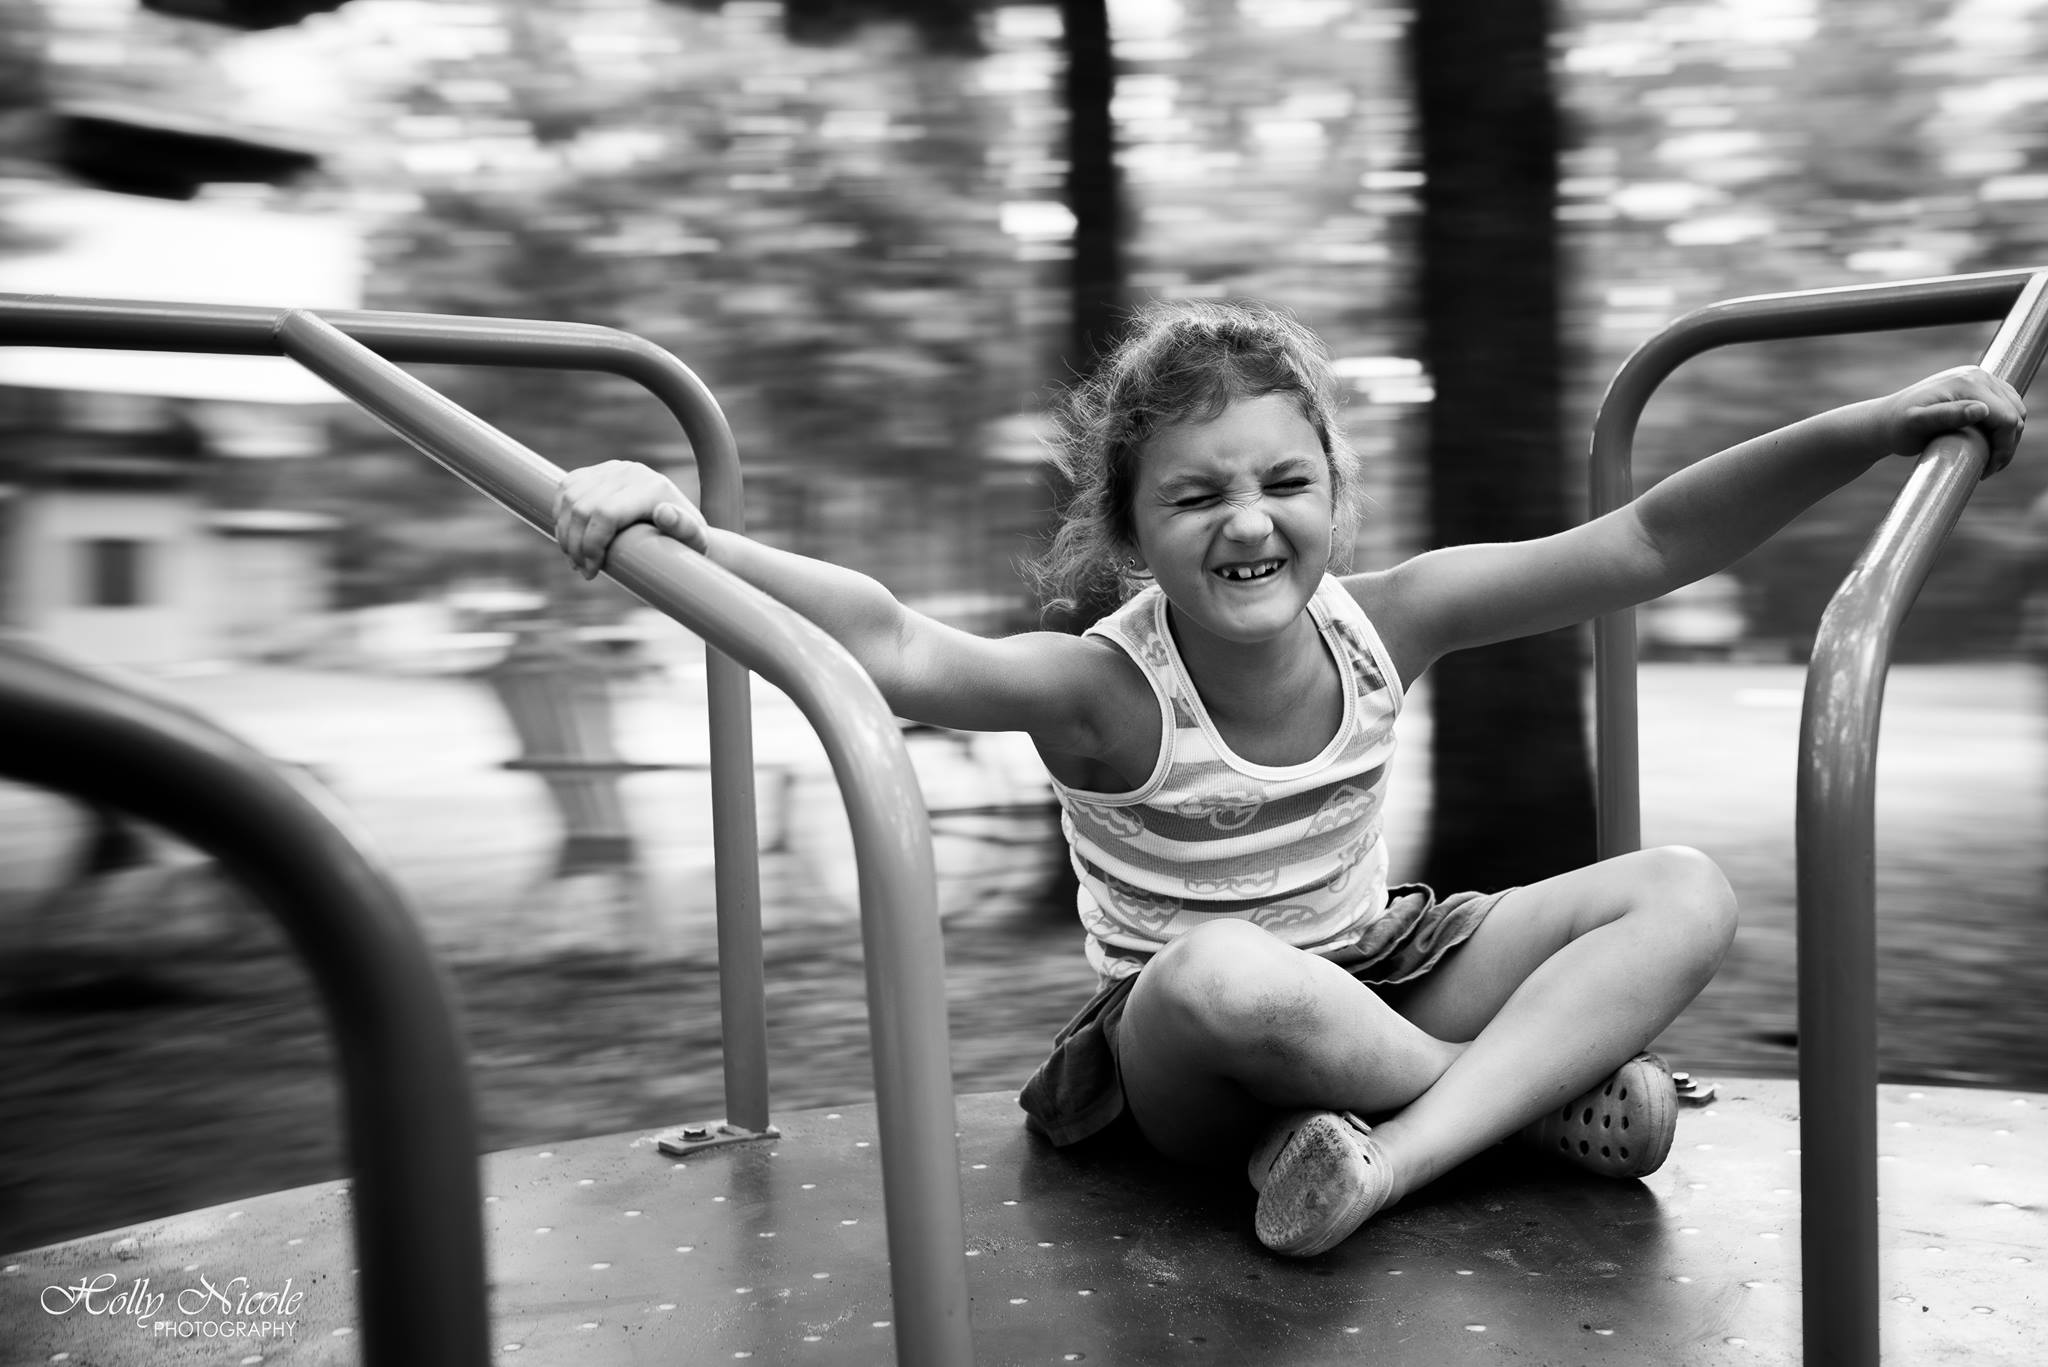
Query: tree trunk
[[1095, 280], [1512, 775], [1094, 195]]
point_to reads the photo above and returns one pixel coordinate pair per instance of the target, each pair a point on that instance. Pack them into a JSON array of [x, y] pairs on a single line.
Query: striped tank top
[[1295, 849]]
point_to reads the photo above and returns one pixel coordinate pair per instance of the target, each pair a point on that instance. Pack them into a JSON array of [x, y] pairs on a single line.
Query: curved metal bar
[[1756, 318], [412, 1133], [904, 956], [529, 343], [143, 325], [1837, 844]]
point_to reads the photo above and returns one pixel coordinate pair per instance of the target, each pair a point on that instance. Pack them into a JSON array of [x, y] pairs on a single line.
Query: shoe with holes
[[1621, 1128], [1320, 1175]]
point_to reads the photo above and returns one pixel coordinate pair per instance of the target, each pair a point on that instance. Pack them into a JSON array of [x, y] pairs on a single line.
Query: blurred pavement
[[419, 759], [164, 1071]]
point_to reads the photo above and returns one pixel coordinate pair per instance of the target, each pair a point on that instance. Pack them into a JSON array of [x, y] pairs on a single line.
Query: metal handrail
[[1837, 817], [1837, 954], [240, 330], [903, 953], [411, 1119], [1980, 298]]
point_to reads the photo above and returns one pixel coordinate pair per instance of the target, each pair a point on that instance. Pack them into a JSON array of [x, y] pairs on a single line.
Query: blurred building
[[135, 525], [132, 517]]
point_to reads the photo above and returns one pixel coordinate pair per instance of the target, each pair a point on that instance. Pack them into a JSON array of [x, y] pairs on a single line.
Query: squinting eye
[[1195, 501], [1291, 486]]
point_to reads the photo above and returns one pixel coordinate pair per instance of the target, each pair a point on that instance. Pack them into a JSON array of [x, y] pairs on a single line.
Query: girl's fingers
[[2007, 446], [1967, 396], [573, 543], [562, 506], [570, 517], [597, 539], [595, 503], [565, 533], [1924, 422], [683, 523]]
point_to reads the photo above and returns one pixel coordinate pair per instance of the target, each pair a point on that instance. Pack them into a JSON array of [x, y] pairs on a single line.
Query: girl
[[1220, 745]]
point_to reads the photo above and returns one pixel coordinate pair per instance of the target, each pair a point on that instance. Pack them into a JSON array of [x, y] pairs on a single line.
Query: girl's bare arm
[[1698, 521], [1042, 683]]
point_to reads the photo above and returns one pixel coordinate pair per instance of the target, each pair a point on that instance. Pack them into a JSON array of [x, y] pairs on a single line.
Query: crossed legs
[[1562, 983]]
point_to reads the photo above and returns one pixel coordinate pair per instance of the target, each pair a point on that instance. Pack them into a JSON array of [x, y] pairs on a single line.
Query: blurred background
[[883, 231]]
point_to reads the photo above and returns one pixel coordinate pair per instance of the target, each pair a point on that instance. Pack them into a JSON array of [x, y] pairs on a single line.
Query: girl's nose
[[1248, 520]]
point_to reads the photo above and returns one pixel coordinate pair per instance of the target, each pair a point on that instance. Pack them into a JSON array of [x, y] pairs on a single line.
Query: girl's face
[[1233, 517]]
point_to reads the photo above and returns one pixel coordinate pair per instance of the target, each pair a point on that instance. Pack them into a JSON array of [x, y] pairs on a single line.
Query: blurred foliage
[[832, 232], [813, 229], [1752, 146], [826, 235]]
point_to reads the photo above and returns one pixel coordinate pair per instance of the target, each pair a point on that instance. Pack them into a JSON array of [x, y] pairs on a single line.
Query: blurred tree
[[942, 25], [1838, 142], [1096, 273], [1512, 777], [1859, 121], [243, 14], [1094, 189], [809, 227], [812, 227], [24, 66]]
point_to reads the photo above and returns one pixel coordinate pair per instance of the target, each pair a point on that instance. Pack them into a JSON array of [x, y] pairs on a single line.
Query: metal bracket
[[688, 1139], [1693, 1091]]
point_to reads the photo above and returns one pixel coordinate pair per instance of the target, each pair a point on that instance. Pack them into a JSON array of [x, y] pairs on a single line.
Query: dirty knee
[[1237, 986]]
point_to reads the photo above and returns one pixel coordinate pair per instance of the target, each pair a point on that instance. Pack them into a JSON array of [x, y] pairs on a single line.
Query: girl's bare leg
[[1565, 981], [1228, 1026]]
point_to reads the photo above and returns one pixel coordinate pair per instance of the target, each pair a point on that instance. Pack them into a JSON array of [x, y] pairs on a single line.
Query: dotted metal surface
[[606, 1250]]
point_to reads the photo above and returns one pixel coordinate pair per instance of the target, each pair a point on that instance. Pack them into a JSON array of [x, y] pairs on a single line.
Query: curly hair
[[1181, 361]]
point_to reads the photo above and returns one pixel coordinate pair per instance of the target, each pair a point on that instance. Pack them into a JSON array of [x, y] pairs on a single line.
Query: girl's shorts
[[1078, 1091]]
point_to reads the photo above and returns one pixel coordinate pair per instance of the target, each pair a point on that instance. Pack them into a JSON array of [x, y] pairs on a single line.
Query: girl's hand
[[597, 502], [1966, 396]]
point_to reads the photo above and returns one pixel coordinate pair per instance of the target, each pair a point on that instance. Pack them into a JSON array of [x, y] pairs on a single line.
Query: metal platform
[[605, 1250]]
